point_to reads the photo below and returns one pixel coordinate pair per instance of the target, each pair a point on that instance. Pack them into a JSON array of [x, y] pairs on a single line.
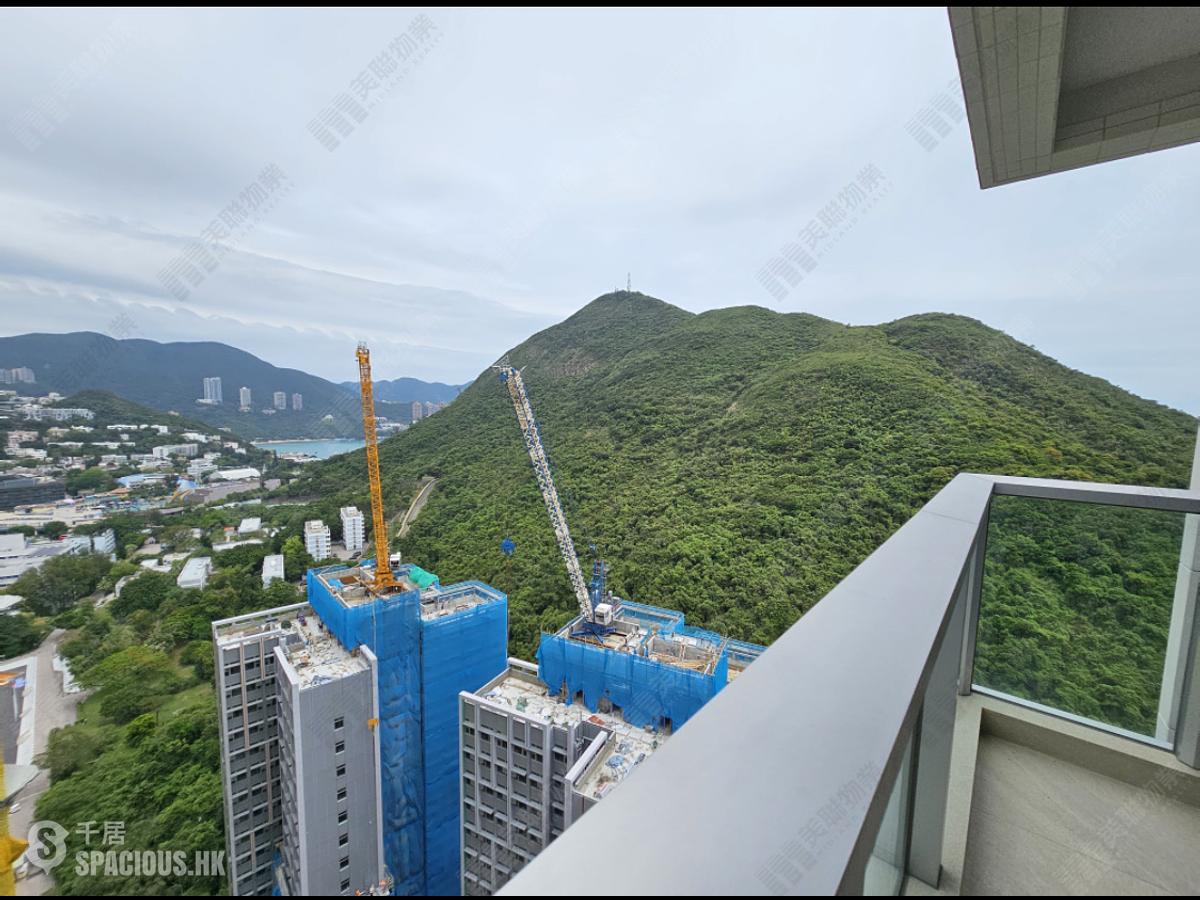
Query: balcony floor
[[1041, 825], [1039, 805]]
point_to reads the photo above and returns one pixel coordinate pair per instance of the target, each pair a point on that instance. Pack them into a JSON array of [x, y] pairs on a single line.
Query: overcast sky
[[516, 165]]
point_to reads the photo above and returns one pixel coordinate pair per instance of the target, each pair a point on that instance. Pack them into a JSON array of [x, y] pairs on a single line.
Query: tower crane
[[384, 577], [596, 607]]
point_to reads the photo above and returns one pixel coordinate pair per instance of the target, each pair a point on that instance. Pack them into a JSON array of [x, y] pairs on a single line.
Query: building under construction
[[340, 731], [541, 746], [384, 671], [430, 642]]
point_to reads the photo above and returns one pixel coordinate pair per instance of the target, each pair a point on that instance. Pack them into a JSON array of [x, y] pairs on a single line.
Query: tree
[[280, 593], [199, 655], [68, 750], [60, 582], [296, 560], [91, 480], [20, 634], [147, 591], [55, 529], [131, 682]]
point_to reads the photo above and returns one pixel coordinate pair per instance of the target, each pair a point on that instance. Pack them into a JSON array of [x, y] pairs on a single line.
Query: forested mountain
[[406, 390], [170, 376], [737, 463]]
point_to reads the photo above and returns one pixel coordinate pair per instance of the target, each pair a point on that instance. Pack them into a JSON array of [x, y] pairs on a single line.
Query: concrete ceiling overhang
[[1051, 88]]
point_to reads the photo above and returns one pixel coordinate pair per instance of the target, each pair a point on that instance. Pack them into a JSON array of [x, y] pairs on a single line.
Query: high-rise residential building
[[329, 764], [316, 539], [212, 390], [353, 528], [247, 704], [245, 398], [280, 400], [339, 732], [430, 409], [418, 411], [297, 402], [541, 745], [19, 375]]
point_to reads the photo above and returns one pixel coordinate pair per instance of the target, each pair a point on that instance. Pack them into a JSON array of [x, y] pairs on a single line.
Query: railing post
[[1183, 617], [970, 622], [936, 740], [1187, 723]]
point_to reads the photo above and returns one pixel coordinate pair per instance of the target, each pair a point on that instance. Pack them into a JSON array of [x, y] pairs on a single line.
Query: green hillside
[[737, 463]]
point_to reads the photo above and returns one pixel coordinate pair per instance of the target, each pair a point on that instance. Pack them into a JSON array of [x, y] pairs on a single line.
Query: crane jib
[[541, 470]]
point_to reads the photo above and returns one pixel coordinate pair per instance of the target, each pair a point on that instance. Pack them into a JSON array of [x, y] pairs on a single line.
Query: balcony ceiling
[[1051, 88]]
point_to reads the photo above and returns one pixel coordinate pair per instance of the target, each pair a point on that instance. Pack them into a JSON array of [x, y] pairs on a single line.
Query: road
[[414, 508], [44, 708]]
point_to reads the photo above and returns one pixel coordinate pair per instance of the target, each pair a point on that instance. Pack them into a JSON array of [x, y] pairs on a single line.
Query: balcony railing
[[825, 767]]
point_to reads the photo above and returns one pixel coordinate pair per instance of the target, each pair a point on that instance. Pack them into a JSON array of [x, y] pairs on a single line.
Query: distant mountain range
[[406, 390], [170, 377]]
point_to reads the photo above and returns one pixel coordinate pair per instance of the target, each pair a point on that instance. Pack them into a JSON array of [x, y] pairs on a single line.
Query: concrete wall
[[331, 774]]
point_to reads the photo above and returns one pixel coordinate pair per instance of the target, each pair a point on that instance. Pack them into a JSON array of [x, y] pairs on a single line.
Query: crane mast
[[541, 469], [384, 577]]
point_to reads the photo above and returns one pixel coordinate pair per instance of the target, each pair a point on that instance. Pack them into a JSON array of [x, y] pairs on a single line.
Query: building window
[[339, 722], [345, 885], [345, 863], [341, 794], [343, 840], [339, 747], [342, 816], [341, 770]]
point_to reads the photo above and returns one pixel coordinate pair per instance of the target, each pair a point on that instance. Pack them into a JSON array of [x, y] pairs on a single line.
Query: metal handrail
[[780, 783]]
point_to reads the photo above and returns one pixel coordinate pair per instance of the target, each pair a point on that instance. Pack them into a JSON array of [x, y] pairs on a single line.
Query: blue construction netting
[[649, 693], [666, 621], [461, 651], [423, 665], [391, 628]]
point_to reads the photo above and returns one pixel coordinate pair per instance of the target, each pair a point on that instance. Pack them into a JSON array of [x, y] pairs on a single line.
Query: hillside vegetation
[[736, 464]]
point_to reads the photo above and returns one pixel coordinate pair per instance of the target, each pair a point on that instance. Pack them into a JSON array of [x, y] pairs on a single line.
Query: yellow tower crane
[[384, 577]]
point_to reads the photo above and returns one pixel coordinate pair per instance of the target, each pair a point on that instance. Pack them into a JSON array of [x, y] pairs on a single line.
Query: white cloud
[[528, 163]]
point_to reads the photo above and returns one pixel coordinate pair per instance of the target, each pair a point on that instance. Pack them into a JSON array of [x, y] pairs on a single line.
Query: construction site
[[373, 680]]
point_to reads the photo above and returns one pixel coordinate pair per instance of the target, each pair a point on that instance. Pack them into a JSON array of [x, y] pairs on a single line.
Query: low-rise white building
[[18, 556], [247, 473], [195, 572], [168, 450], [272, 568], [105, 542]]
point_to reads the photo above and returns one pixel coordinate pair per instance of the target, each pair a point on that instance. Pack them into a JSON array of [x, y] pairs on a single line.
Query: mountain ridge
[[778, 446], [168, 376]]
